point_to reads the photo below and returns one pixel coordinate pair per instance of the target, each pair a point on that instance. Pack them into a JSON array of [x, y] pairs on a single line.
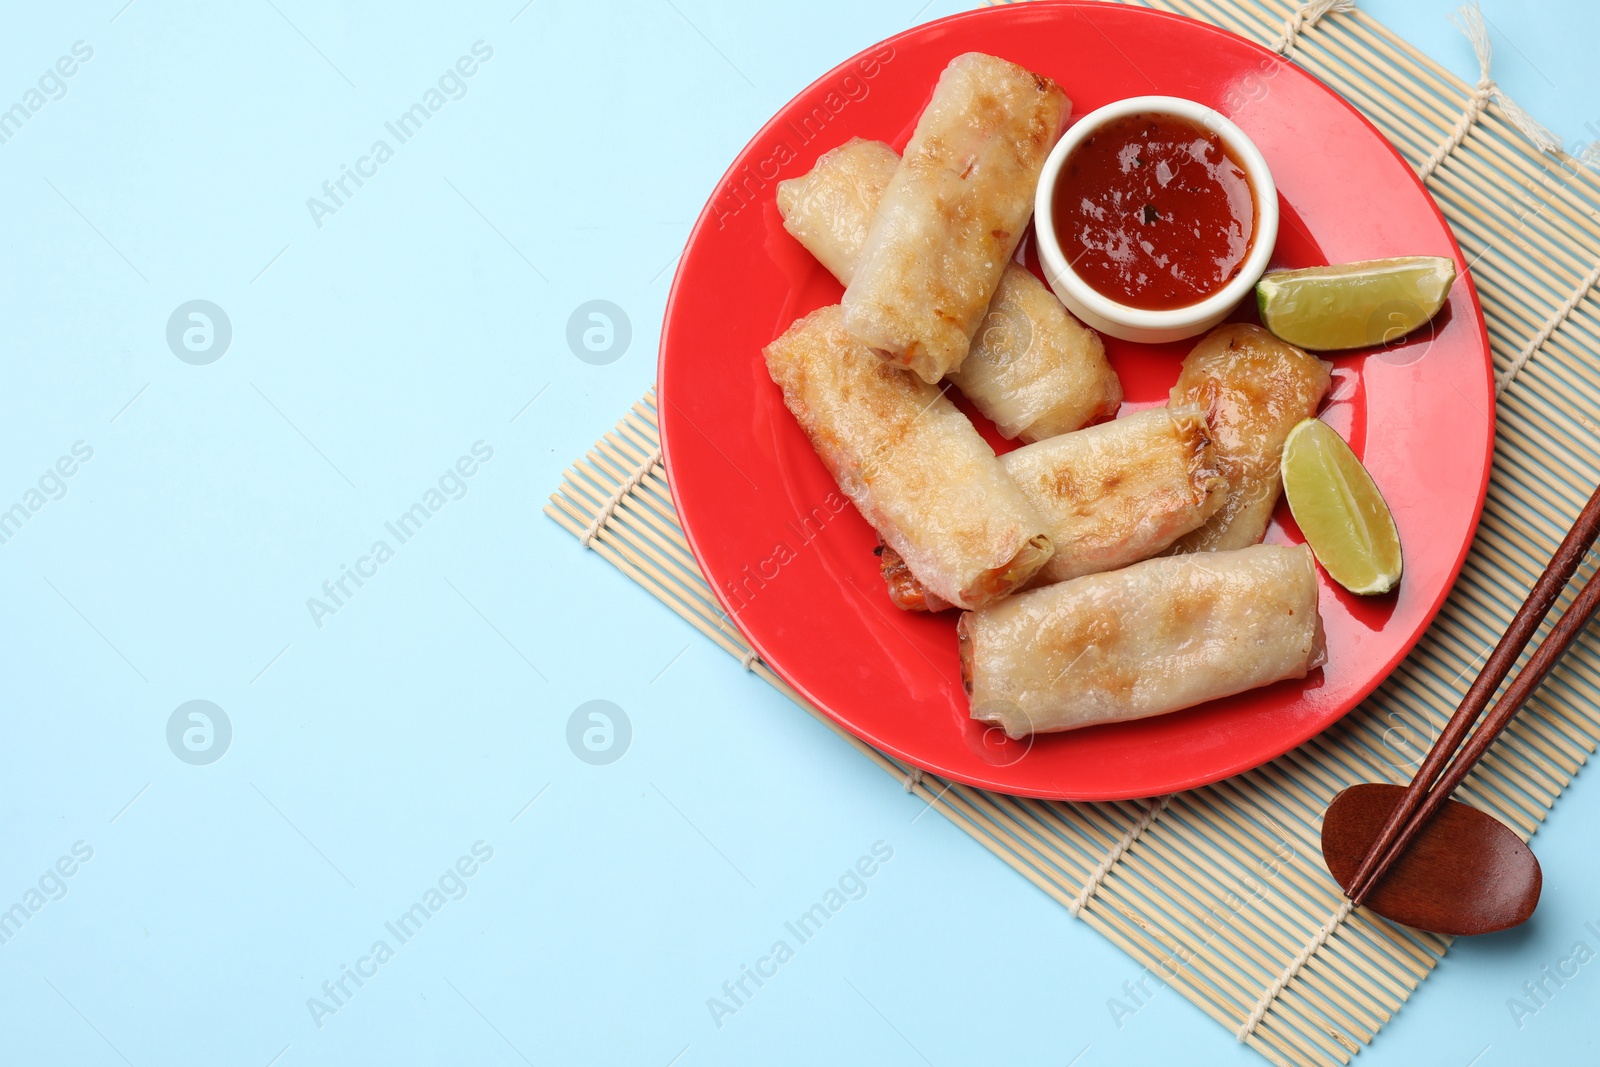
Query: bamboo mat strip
[[1220, 892]]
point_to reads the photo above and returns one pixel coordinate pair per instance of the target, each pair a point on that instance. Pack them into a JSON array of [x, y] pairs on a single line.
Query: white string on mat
[[1470, 21], [633, 482], [1129, 836], [1303, 957], [1557, 317], [1306, 16]]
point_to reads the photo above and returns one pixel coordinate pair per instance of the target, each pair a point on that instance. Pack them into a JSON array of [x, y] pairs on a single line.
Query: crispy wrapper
[[911, 462], [1254, 389], [953, 213], [1152, 638], [1032, 369]]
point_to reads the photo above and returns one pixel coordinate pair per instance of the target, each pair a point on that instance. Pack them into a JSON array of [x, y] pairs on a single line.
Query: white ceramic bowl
[[1172, 324]]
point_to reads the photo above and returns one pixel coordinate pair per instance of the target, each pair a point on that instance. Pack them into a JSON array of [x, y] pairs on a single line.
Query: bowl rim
[[1059, 272]]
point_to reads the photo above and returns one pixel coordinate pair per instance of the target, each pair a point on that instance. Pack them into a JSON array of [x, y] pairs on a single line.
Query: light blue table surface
[[407, 743]]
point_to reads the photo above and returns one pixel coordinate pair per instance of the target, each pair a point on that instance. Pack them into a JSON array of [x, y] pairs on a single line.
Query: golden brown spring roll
[[1033, 369], [912, 463], [1155, 637], [1111, 495], [830, 208], [953, 213], [1254, 389], [1120, 492]]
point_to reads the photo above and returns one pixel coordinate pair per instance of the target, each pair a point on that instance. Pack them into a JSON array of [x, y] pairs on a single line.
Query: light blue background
[[425, 715]]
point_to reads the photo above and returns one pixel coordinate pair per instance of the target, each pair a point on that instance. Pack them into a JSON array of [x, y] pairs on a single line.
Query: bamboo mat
[[1221, 892]]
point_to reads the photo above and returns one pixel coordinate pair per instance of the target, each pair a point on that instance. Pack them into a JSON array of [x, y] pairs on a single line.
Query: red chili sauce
[[1153, 212]]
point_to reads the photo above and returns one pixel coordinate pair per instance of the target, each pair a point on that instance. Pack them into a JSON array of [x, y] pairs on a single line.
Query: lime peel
[[1354, 305]]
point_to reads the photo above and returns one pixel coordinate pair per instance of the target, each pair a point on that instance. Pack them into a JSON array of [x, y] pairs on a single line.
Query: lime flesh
[[1339, 510], [1354, 305]]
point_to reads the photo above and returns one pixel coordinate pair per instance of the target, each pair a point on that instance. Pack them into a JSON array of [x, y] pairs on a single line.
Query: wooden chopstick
[[1404, 821], [1565, 631]]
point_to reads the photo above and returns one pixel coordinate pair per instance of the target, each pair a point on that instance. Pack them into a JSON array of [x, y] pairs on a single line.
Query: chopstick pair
[[1434, 783]]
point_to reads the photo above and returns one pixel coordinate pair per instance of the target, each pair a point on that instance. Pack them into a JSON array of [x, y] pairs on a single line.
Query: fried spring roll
[[1033, 369], [830, 208], [1111, 495], [953, 213], [1120, 492], [1254, 389], [911, 462], [1155, 637]]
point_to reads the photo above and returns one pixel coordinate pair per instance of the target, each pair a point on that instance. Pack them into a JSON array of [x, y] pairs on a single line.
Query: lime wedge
[[1339, 509], [1354, 305]]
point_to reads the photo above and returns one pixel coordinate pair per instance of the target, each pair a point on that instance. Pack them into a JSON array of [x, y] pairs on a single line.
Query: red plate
[[799, 577]]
